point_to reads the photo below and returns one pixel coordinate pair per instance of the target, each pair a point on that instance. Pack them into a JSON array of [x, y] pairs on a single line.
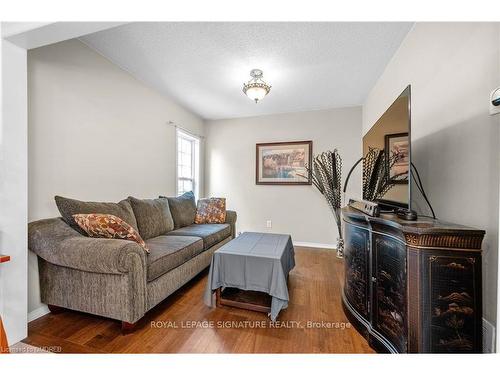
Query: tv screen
[[387, 155]]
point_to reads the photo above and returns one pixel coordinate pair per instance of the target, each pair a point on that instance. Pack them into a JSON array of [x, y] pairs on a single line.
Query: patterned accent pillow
[[211, 211], [108, 226]]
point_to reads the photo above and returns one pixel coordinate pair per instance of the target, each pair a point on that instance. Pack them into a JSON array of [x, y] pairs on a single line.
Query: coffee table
[[251, 272]]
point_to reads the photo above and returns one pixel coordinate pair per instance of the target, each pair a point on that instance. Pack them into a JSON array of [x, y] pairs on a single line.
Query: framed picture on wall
[[397, 154], [283, 163]]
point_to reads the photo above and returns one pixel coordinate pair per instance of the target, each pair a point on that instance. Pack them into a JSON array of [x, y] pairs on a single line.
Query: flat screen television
[[389, 138]]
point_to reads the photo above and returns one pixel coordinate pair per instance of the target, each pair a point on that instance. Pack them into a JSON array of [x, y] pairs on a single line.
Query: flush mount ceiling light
[[256, 89]]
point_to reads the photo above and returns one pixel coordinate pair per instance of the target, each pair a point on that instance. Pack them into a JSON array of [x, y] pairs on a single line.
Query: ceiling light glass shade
[[256, 89], [256, 93]]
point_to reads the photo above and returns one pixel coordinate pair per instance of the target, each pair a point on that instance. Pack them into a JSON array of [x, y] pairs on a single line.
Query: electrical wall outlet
[[269, 224]]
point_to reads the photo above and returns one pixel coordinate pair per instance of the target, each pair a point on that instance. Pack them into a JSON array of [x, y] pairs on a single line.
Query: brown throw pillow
[[108, 226], [211, 211]]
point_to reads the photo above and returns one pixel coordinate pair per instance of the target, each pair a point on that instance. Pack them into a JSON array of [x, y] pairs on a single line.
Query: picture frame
[[283, 163], [398, 143]]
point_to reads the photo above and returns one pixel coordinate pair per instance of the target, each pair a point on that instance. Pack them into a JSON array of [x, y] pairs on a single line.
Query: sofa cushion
[[169, 252], [69, 207], [210, 233], [108, 226], [153, 216], [211, 211], [183, 209]]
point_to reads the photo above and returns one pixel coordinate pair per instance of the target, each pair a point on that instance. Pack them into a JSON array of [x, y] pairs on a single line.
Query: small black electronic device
[[406, 214], [367, 207]]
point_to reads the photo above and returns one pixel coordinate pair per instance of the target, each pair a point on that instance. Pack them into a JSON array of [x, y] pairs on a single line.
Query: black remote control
[[406, 214]]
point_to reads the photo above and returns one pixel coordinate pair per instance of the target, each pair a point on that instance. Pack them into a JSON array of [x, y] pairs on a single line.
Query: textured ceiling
[[203, 65]]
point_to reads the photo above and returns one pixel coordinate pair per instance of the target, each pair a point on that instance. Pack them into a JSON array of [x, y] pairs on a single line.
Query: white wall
[[452, 68], [13, 191], [95, 133], [498, 259], [298, 210]]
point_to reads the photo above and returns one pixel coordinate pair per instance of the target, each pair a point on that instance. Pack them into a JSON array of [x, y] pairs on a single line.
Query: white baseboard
[[315, 245], [38, 313], [488, 337]]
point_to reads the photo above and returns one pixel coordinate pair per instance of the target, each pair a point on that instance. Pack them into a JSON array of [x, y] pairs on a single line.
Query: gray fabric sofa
[[115, 278]]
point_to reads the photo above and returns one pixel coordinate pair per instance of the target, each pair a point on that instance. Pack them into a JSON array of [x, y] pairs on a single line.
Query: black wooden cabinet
[[413, 287]]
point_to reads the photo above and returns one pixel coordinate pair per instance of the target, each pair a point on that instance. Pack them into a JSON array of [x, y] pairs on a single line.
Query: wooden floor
[[315, 296]]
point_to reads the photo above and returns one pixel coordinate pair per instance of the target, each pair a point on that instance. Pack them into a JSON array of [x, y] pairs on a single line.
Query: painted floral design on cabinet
[[356, 269], [453, 307], [390, 290]]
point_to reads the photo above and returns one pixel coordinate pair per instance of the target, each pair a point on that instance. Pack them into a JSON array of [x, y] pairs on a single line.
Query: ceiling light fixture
[[256, 89]]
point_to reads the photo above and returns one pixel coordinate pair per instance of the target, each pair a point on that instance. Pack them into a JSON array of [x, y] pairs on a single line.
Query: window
[[188, 154]]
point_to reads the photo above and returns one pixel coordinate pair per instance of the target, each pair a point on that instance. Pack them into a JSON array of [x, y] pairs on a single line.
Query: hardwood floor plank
[[315, 296], [58, 345]]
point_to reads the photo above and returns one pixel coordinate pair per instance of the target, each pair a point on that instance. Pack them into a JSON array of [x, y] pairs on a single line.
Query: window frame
[[195, 160]]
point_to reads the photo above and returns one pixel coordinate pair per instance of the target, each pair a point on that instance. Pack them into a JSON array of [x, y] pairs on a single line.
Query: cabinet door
[[356, 267], [389, 290], [452, 303]]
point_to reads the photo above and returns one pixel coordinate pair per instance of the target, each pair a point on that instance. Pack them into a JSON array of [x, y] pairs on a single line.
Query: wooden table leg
[[217, 297]]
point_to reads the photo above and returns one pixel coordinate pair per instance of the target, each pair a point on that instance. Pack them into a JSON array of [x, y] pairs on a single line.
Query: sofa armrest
[[231, 217], [56, 242]]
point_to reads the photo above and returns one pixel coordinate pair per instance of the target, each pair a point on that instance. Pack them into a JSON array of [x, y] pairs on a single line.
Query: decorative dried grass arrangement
[[326, 175], [376, 179]]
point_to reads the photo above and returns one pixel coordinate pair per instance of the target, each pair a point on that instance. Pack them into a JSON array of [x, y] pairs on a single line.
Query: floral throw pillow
[[108, 226], [211, 211]]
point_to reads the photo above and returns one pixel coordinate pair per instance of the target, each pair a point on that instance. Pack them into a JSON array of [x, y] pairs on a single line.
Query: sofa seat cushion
[[169, 252], [210, 233]]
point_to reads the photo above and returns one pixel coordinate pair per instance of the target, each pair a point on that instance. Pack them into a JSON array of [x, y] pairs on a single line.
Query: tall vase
[[340, 239]]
